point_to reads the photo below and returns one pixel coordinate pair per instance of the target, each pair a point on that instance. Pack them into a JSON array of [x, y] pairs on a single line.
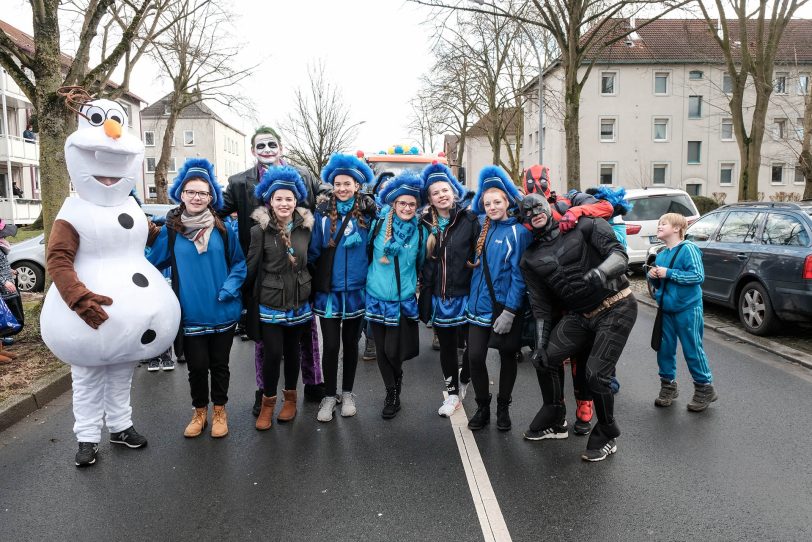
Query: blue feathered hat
[[495, 177], [281, 177], [407, 183], [201, 169], [437, 172], [617, 197], [347, 164]]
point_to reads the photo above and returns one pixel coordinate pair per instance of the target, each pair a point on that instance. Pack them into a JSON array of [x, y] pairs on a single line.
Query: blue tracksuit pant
[[688, 326]]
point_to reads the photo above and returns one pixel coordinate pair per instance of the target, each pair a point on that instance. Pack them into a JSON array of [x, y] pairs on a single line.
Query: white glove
[[504, 322]]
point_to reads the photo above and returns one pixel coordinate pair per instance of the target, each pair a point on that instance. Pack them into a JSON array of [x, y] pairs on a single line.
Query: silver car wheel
[[753, 308]]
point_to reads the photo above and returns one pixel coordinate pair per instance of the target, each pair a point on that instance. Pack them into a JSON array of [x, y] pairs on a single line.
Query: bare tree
[[197, 54], [749, 41], [425, 122], [320, 124], [41, 72], [805, 156]]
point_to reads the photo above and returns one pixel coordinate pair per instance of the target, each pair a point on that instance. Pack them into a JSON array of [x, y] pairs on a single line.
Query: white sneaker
[[326, 408], [348, 404], [449, 406], [463, 389]]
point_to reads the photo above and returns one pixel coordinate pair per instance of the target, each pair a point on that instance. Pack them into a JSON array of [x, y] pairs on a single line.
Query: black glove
[[612, 267], [595, 277], [539, 357]]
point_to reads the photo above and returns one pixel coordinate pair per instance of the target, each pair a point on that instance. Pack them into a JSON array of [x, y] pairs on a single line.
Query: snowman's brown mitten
[[89, 309]]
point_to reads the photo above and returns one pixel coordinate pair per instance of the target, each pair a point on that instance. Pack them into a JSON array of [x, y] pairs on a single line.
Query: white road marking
[[493, 525]]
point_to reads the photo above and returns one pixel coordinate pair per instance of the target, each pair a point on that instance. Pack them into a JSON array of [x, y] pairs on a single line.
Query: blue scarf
[[353, 238], [442, 222], [401, 233]]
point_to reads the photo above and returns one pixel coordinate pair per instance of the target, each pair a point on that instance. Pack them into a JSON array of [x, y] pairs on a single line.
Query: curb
[[773, 347], [44, 390]]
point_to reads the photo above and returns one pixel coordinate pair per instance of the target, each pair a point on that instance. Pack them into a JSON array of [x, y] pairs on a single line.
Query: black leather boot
[[482, 417], [503, 413]]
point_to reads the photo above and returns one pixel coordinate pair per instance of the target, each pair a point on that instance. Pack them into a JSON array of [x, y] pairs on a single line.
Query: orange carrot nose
[[112, 128]]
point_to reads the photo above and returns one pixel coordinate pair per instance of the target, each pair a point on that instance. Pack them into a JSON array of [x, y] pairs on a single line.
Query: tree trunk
[[805, 160], [750, 148], [571, 132], [161, 169]]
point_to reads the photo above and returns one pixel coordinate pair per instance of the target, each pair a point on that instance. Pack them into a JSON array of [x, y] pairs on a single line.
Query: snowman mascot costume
[[108, 307]]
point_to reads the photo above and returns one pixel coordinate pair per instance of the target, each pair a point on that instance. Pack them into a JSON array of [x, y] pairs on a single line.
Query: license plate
[[653, 239]]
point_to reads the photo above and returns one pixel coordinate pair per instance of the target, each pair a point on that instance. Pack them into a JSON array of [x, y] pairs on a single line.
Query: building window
[[608, 82], [694, 107], [694, 152], [172, 165], [659, 174], [799, 176], [799, 129], [693, 189], [777, 173], [727, 83], [153, 192], [167, 108], [129, 112], [149, 138], [726, 173], [780, 129], [607, 173], [661, 83], [608, 132], [660, 129], [173, 140], [695, 75], [727, 130], [780, 83], [188, 138], [543, 137], [150, 165], [803, 84]]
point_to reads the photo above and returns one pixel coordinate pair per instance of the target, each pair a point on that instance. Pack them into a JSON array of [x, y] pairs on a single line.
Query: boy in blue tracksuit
[[677, 278]]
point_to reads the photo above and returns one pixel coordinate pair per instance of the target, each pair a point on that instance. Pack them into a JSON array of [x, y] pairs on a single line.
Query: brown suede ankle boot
[[265, 418], [219, 422], [288, 411], [198, 422]]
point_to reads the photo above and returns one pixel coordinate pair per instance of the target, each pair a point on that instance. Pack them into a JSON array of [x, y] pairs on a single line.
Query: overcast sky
[[374, 50]]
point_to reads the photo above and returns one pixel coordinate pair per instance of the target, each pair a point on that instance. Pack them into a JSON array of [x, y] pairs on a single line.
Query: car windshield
[[397, 167], [653, 207]]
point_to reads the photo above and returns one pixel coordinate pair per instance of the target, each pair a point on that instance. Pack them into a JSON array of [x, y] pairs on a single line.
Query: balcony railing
[[18, 150], [20, 211]]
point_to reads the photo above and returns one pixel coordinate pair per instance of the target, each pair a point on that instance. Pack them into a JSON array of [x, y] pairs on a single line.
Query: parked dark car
[[758, 260]]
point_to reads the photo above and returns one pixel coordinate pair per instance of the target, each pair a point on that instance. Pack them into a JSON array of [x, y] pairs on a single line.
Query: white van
[[648, 205]]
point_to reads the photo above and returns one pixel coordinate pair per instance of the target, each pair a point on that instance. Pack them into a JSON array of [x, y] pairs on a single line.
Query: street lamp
[[540, 136]]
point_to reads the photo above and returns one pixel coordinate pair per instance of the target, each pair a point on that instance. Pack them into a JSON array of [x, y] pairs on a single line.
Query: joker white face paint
[[267, 149]]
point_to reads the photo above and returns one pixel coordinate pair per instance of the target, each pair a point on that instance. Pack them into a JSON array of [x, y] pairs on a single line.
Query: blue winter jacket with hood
[[504, 245]]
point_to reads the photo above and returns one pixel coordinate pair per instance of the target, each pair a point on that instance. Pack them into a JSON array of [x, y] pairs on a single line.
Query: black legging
[[337, 333], [448, 356], [281, 342], [387, 349], [208, 355], [478, 337]]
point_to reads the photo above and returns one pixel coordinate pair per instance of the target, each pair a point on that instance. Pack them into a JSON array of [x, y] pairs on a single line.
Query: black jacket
[[444, 271], [282, 287], [239, 197], [554, 265]]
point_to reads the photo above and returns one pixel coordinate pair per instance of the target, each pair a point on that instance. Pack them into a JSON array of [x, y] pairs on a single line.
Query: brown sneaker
[[198, 422], [704, 395], [219, 422], [265, 418], [288, 411], [668, 392]]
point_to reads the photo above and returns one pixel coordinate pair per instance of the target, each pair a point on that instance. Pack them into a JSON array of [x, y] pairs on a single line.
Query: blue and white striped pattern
[[343, 305], [292, 317], [193, 331], [388, 312], [448, 312]]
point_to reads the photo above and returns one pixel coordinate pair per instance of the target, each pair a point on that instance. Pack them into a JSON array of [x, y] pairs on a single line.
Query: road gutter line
[[493, 525]]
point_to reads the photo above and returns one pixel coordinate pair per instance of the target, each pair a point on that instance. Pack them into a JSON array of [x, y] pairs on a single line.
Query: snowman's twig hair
[[75, 98]]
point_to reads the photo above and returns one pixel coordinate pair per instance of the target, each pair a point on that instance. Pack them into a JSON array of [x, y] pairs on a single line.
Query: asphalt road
[[739, 471]]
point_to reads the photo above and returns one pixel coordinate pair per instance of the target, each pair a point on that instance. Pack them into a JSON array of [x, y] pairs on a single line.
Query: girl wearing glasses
[[280, 311], [338, 254], [446, 275], [397, 251], [208, 270], [497, 301]]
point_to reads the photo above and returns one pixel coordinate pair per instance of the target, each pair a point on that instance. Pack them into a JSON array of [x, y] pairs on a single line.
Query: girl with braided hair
[[280, 285], [446, 274], [338, 254], [397, 250], [497, 298]]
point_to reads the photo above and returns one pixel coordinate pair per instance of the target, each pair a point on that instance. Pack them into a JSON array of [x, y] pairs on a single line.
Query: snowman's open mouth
[[107, 181]]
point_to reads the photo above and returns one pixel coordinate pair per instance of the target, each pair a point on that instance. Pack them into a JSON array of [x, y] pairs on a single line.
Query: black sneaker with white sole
[[581, 428], [554, 432], [154, 364], [601, 453], [129, 438], [86, 455]]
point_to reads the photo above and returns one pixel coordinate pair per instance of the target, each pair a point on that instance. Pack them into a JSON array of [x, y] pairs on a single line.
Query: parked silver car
[[28, 257]]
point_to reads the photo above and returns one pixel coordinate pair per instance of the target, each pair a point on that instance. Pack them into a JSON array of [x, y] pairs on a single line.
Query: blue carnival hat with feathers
[[495, 177], [279, 178], [407, 183], [347, 164], [200, 169], [617, 197], [437, 172]]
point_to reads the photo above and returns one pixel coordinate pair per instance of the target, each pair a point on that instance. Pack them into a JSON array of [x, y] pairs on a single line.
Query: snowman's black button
[[126, 221], [148, 336], [140, 280]]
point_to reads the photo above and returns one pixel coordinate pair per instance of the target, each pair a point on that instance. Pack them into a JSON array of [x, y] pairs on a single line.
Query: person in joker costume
[[266, 146], [108, 307]]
